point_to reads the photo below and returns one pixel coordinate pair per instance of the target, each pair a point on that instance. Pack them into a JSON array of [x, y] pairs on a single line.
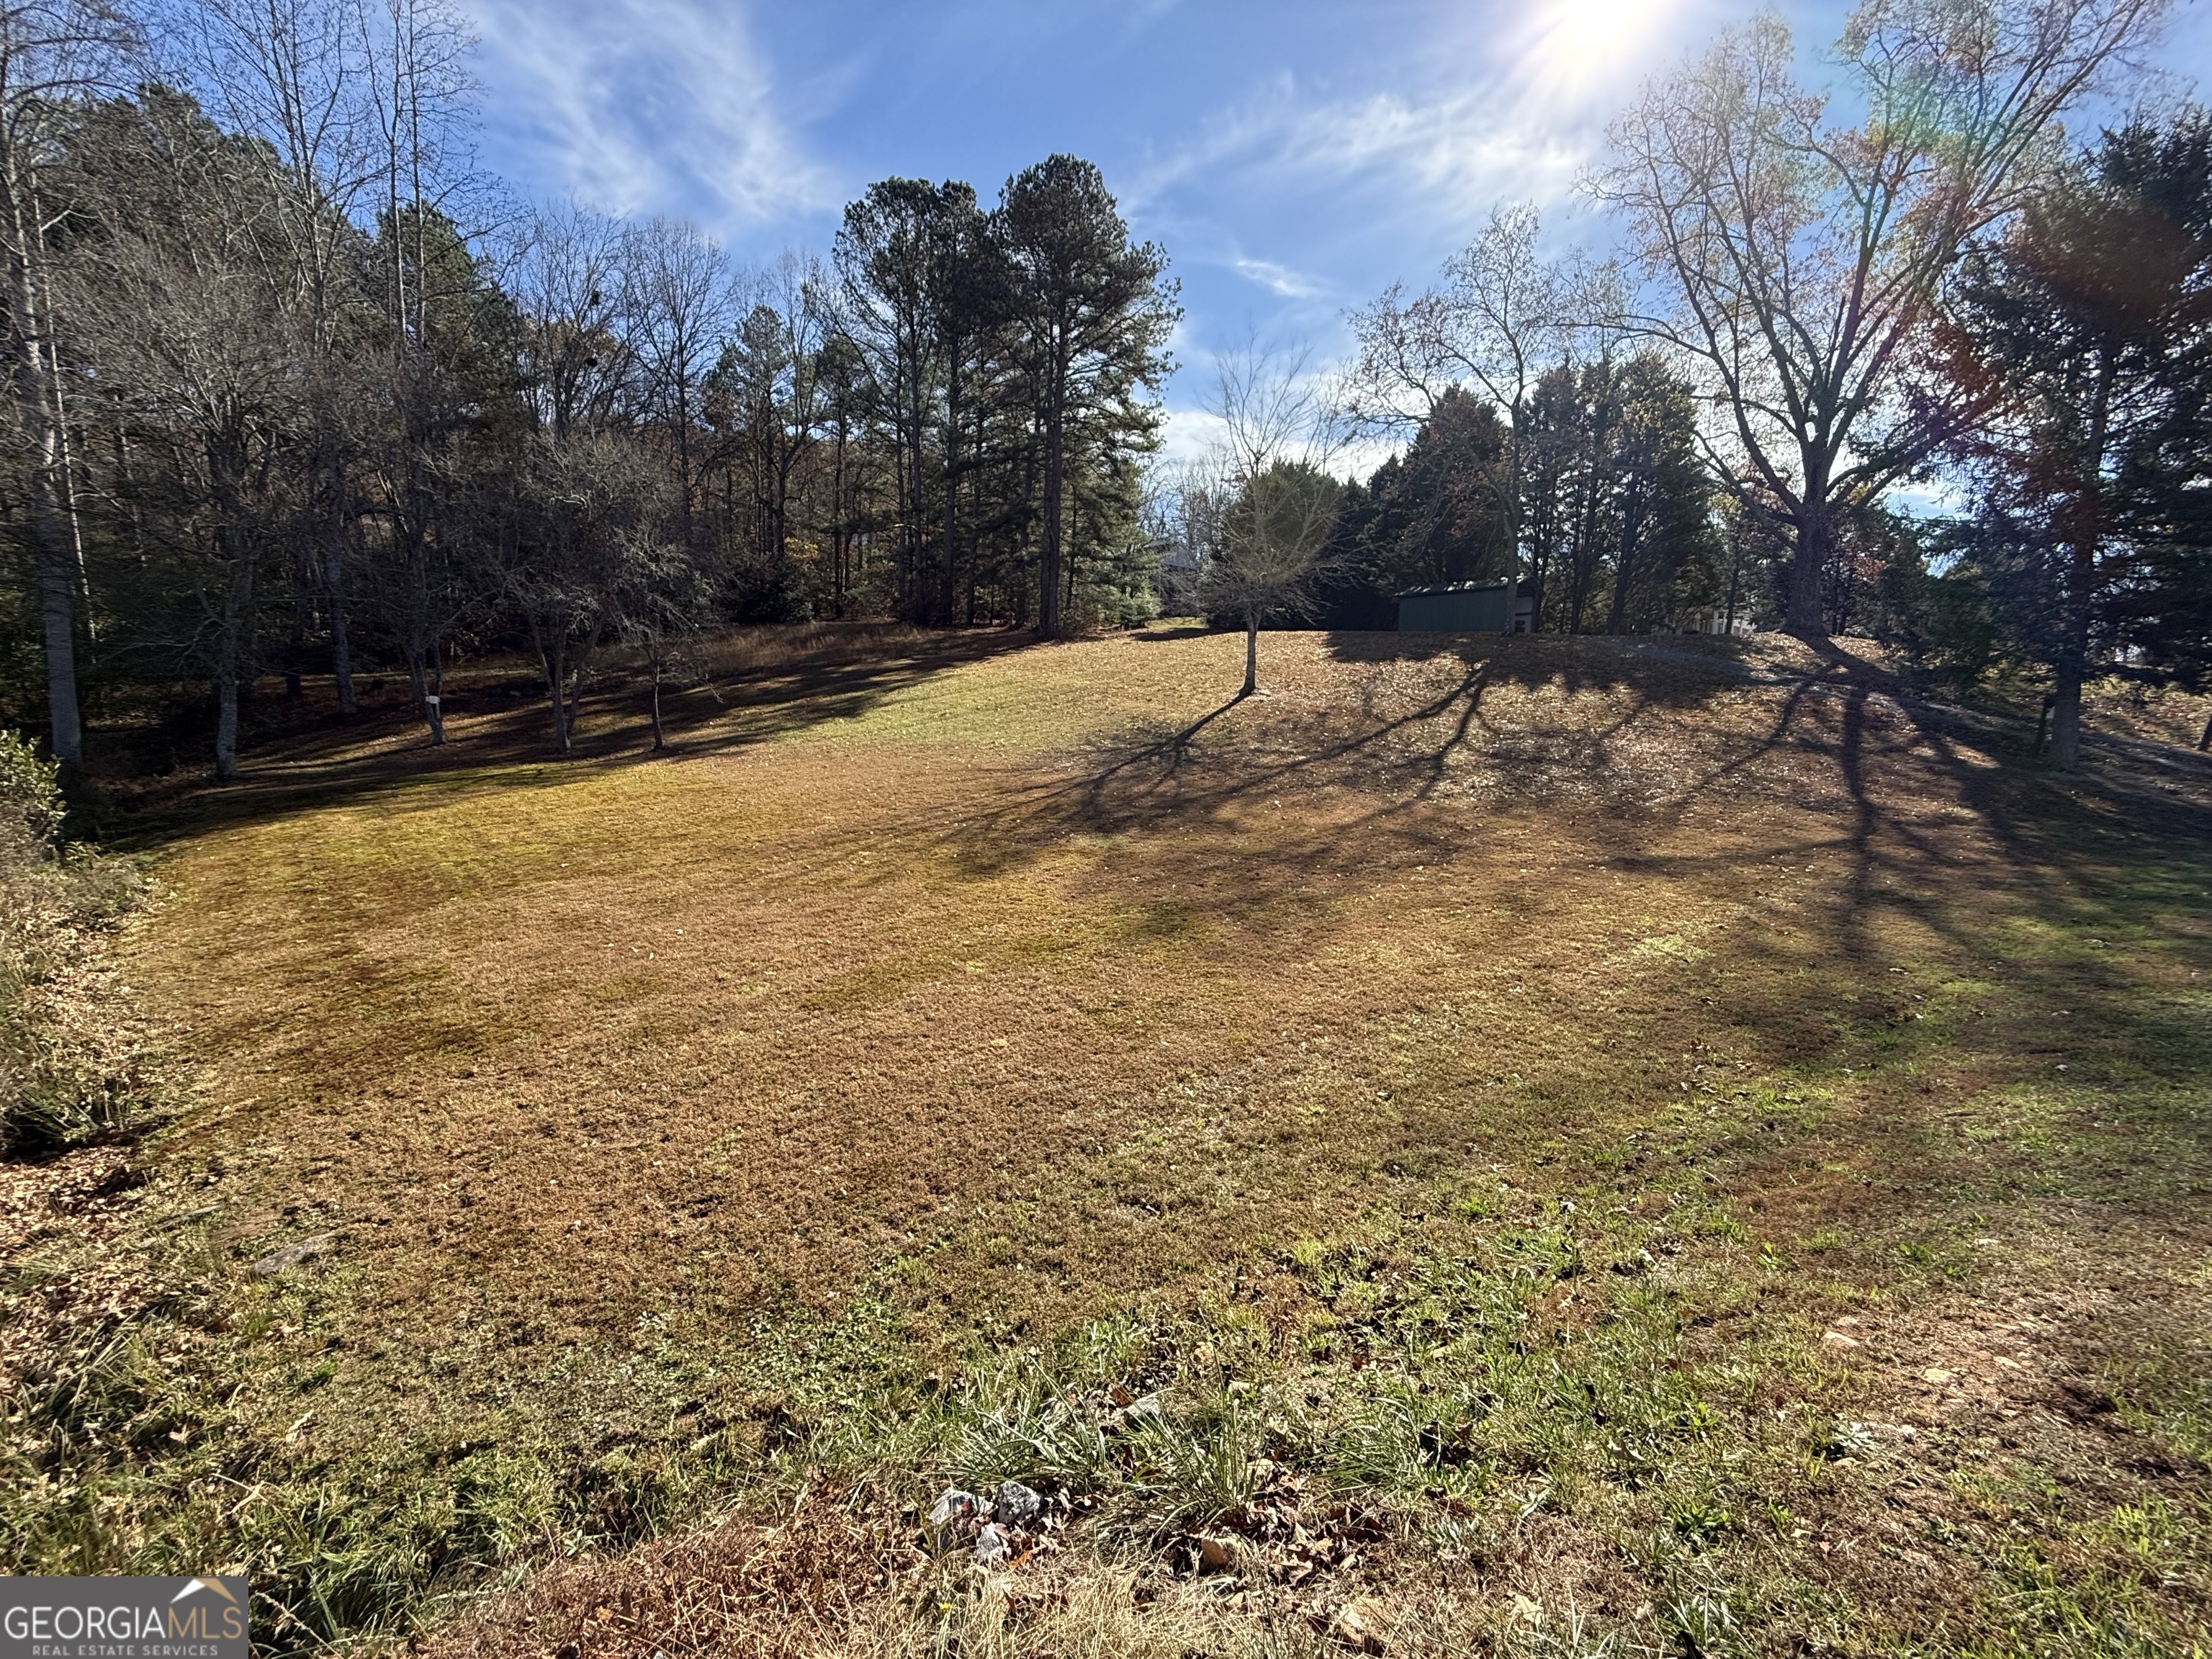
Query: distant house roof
[[1452, 587]]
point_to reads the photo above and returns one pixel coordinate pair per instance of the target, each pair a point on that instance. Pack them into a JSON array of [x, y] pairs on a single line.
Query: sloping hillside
[[1673, 1136]]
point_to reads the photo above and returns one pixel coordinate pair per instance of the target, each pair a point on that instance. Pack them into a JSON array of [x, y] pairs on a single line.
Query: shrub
[[71, 1068]]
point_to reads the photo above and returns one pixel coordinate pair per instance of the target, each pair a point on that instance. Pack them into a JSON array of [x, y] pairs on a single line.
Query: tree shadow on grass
[[1924, 830], [1398, 744], [499, 738]]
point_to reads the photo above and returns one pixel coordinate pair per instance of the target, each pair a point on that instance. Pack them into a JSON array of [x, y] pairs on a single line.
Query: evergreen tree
[[2089, 330], [1090, 313]]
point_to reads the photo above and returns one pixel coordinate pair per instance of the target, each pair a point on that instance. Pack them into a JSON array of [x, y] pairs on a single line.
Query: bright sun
[[1580, 41]]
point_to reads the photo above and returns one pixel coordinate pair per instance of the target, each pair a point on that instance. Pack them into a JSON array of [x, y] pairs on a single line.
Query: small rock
[[1358, 1624], [993, 1547], [1215, 1555], [952, 1507], [1937, 1374], [1018, 1505], [1837, 1340], [1139, 1412], [305, 1249], [1853, 1439]]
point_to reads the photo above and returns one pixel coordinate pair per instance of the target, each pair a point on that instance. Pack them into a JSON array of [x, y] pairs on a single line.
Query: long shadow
[[2084, 852], [1146, 782], [1687, 670], [500, 737], [1901, 768], [1142, 783]]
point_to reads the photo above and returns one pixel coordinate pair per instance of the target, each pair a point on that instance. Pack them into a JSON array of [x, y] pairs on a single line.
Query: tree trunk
[[434, 704], [1055, 467], [70, 516], [1624, 575], [65, 728], [1815, 543], [2087, 532], [2066, 716], [914, 601], [225, 723], [659, 739], [577, 671], [556, 682], [334, 574], [1251, 653], [50, 542], [2205, 741], [238, 609], [839, 579], [341, 642], [239, 550], [948, 612], [296, 647]]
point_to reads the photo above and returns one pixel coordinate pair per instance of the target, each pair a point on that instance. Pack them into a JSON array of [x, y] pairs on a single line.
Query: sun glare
[[1577, 43]]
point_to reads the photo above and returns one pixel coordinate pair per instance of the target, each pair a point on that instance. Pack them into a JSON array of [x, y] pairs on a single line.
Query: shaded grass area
[[1569, 1103]]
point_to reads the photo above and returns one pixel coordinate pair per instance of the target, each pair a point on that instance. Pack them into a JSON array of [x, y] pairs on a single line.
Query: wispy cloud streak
[[647, 105]]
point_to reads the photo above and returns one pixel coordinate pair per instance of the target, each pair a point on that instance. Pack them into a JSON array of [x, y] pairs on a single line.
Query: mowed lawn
[[690, 1127]]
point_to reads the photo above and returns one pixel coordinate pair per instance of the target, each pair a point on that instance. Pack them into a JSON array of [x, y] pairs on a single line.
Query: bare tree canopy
[[1272, 500], [53, 55], [1795, 242]]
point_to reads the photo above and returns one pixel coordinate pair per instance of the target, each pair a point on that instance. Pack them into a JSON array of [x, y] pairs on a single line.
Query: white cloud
[[1189, 434], [1277, 279], [1459, 154], [654, 105], [1444, 159]]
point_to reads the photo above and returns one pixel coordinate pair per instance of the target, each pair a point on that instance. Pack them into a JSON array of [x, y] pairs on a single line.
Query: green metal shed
[[1457, 608]]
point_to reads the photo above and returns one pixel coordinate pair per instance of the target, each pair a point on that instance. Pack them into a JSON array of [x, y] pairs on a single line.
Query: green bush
[[30, 788]]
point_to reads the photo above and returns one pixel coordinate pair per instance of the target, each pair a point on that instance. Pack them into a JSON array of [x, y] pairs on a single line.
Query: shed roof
[[1452, 587]]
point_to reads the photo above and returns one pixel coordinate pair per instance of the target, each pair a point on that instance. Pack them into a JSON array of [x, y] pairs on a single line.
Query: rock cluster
[[998, 1530]]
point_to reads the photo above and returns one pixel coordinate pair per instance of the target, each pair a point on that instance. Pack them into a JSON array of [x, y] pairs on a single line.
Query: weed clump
[[72, 1069]]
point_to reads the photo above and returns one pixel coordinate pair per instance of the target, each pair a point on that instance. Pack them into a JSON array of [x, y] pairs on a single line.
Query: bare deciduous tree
[[294, 74], [1796, 241], [198, 352], [1280, 428], [677, 302], [1503, 315], [52, 52], [566, 280]]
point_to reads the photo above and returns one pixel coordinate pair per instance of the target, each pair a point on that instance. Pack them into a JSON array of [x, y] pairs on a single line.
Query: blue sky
[[1293, 157]]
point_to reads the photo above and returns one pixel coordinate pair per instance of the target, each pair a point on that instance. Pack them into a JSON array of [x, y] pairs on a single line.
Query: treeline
[[297, 395], [1595, 495], [1825, 296], [1612, 507]]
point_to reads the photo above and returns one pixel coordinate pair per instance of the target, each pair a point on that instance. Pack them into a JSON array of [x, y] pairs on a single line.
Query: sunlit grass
[[1544, 1099]]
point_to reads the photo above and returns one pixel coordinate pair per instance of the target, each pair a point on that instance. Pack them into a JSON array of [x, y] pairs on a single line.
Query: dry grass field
[[1547, 1146]]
